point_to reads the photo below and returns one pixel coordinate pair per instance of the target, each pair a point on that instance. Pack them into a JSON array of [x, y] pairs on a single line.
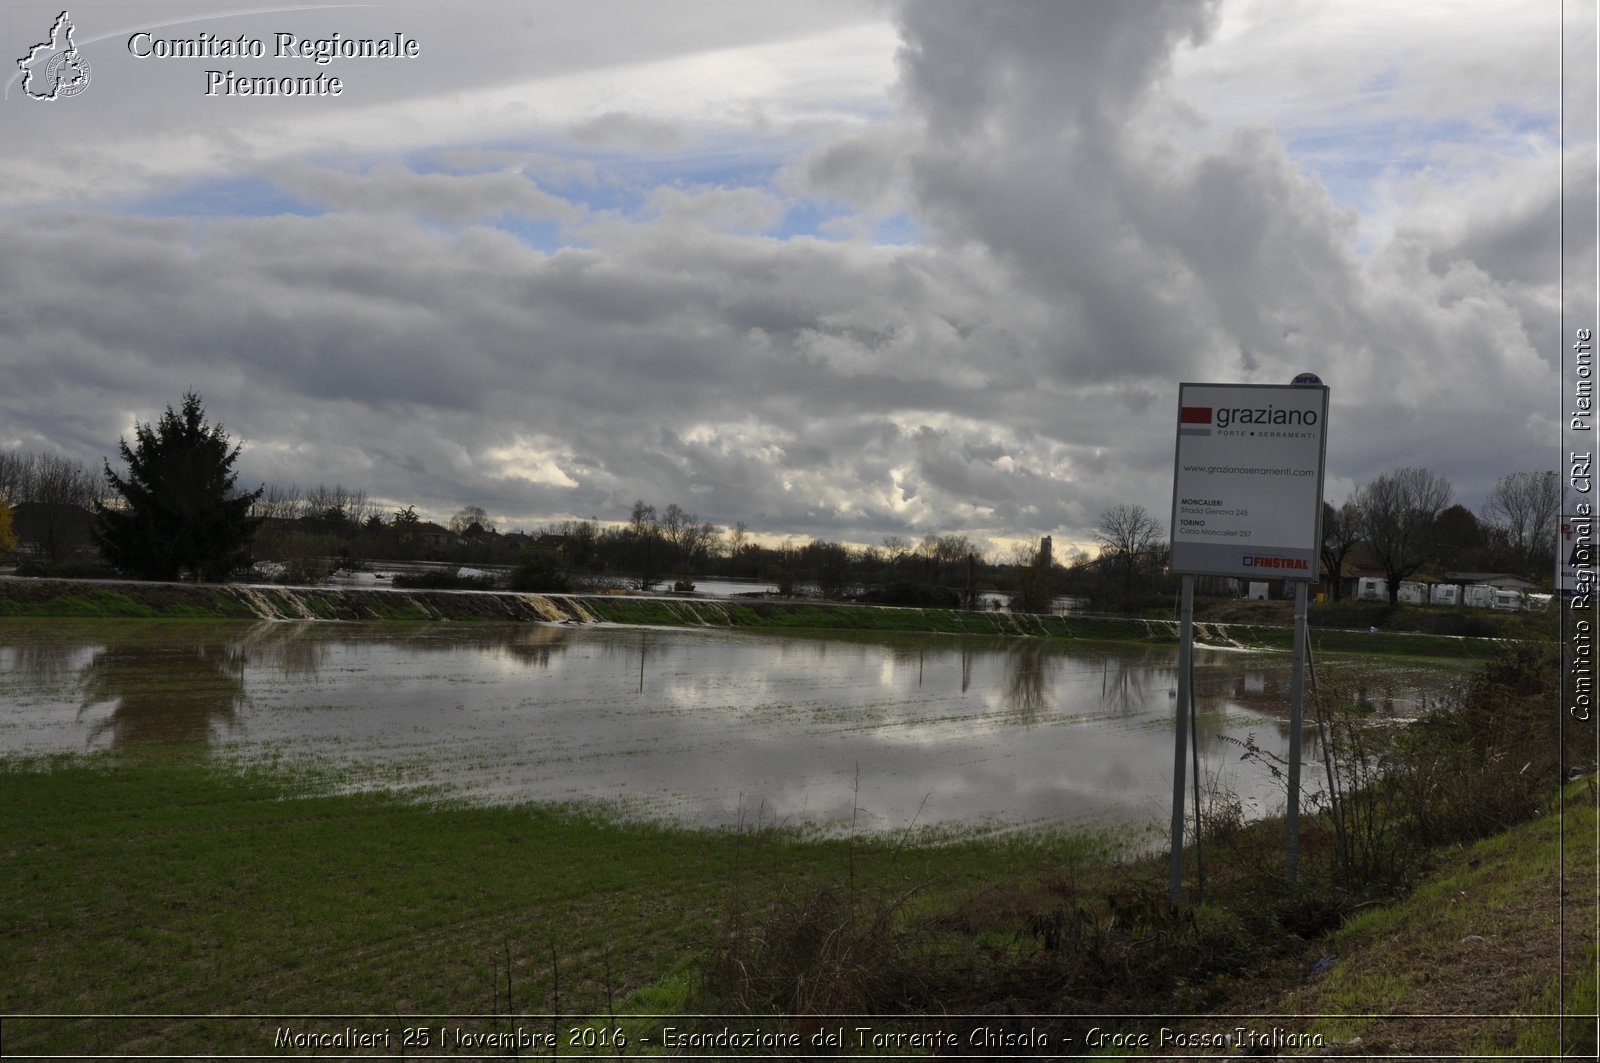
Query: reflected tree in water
[[42, 662], [170, 695], [1126, 683], [537, 646], [534, 644], [1027, 681], [293, 650]]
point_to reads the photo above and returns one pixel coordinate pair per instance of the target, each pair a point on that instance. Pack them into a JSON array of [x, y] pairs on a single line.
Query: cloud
[[619, 129], [721, 209], [554, 284], [392, 187]]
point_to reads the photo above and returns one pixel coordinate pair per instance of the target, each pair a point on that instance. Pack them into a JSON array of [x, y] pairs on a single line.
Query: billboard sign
[[1247, 480]]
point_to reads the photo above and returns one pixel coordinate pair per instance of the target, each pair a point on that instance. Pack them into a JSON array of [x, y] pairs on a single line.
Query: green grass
[[159, 887], [200, 604], [92, 604], [1486, 937], [143, 886]]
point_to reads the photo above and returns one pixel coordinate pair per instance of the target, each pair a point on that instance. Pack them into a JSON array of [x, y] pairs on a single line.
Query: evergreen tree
[[177, 508]]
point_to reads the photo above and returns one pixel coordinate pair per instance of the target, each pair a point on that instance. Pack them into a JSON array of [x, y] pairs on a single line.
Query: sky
[[840, 269]]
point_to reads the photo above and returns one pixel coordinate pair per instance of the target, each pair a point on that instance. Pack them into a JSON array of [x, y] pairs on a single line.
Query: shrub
[[67, 570], [818, 953], [540, 575], [1481, 763]]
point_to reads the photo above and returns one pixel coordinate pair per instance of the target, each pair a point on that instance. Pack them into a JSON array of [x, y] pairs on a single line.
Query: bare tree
[[49, 479], [1523, 508], [829, 564], [1127, 535], [1401, 511], [1342, 529], [278, 502], [1033, 569], [676, 525], [13, 472], [337, 505], [583, 536], [645, 530], [704, 543], [690, 537], [467, 516], [51, 499], [946, 553]]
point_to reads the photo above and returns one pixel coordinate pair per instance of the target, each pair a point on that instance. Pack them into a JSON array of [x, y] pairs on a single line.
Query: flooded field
[[708, 727]]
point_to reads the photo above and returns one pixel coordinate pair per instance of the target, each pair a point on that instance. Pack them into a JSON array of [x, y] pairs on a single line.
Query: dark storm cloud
[[1051, 142]]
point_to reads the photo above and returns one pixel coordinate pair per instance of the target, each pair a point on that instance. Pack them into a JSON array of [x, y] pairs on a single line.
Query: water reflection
[[1130, 683], [44, 663], [284, 648], [1027, 680], [702, 725], [171, 697]]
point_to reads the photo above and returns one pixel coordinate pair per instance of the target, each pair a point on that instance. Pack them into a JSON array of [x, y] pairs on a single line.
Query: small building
[[430, 534], [555, 544], [52, 532]]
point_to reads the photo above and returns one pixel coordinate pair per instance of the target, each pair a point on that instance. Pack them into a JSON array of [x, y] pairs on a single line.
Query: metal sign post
[[1181, 731], [1297, 697]]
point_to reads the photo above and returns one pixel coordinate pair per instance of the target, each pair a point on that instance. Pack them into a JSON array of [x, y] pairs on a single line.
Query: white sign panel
[[1247, 485]]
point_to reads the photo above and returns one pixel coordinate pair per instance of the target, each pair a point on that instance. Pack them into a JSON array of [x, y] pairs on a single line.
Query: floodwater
[[709, 727]]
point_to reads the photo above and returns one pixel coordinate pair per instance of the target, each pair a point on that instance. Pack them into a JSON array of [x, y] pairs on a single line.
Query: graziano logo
[[1199, 420], [55, 69], [1194, 420], [1297, 564]]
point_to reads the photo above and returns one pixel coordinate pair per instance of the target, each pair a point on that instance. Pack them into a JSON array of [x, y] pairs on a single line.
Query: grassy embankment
[[1237, 623], [1501, 931], [138, 887]]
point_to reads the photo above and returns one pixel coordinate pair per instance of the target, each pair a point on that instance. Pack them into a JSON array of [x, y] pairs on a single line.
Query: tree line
[[1407, 521], [176, 508]]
